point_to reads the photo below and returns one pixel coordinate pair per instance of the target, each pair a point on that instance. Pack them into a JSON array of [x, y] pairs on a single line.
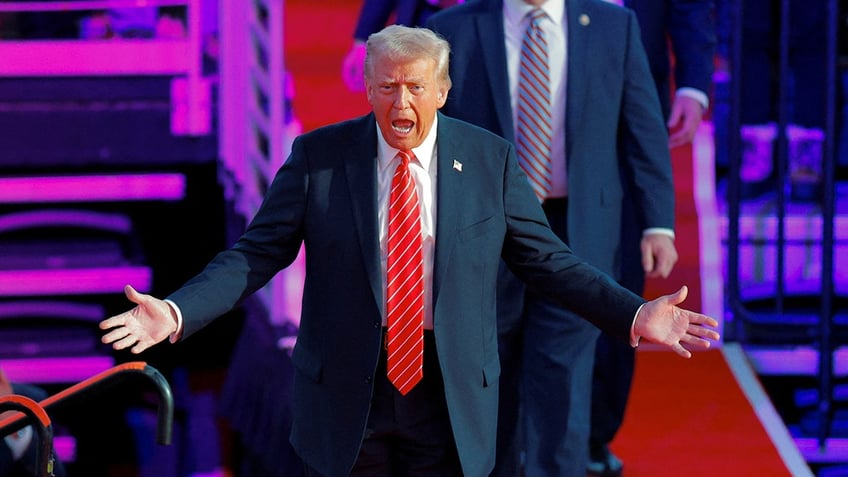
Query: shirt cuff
[[176, 335], [658, 230], [634, 339], [695, 94]]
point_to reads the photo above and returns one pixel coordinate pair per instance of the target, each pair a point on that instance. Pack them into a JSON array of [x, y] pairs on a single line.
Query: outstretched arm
[[150, 322], [662, 321]]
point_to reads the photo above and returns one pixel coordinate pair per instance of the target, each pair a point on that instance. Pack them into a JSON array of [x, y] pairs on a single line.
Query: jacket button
[[376, 324], [367, 379]]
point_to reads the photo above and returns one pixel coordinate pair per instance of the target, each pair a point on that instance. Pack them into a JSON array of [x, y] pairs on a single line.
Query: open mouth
[[403, 126]]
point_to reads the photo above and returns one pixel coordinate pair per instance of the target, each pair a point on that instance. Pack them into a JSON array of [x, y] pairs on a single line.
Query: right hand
[[149, 323], [353, 67]]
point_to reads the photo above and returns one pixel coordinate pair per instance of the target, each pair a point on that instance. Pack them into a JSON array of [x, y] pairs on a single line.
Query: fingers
[[659, 255], [679, 296], [694, 341], [118, 330], [121, 336], [124, 342], [682, 136], [700, 319], [353, 67], [680, 350], [132, 294], [683, 121], [661, 268], [648, 263], [114, 322]]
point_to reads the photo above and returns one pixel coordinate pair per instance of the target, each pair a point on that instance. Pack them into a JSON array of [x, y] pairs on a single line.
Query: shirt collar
[[424, 152], [516, 10]]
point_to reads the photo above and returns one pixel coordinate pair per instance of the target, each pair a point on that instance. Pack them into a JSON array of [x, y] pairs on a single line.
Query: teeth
[[401, 129]]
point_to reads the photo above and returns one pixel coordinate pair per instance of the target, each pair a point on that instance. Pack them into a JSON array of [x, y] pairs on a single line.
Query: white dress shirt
[[516, 22]]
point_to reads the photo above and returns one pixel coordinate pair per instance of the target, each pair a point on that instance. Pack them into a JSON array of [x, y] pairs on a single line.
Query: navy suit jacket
[[688, 24], [325, 197], [375, 14], [610, 98]]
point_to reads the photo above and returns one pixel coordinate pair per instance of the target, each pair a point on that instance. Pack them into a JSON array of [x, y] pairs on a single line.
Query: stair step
[[82, 91], [56, 370], [39, 140], [93, 188], [80, 281], [95, 57]]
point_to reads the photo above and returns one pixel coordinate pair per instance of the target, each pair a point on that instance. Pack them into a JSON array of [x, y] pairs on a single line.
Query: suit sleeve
[[373, 16], [693, 41], [542, 261], [646, 157], [270, 243]]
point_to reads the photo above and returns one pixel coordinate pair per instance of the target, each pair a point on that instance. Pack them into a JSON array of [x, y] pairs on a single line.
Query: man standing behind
[[600, 94], [374, 15], [688, 27]]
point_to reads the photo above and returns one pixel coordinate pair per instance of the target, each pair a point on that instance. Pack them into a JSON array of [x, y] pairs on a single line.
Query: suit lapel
[[361, 169], [490, 33], [449, 187], [579, 22]]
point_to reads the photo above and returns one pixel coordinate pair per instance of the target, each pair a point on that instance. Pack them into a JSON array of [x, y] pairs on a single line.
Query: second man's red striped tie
[[533, 135]]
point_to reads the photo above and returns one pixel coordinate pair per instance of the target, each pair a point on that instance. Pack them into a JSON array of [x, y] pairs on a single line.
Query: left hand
[[353, 67], [683, 122], [662, 321], [658, 255]]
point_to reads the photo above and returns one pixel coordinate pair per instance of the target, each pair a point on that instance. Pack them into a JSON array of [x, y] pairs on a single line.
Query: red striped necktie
[[533, 136], [405, 281]]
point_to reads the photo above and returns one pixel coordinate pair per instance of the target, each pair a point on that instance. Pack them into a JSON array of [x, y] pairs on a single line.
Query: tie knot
[[536, 15], [405, 157]]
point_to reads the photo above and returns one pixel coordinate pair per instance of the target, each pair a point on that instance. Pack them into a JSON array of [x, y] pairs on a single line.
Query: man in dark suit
[[374, 15], [687, 26], [333, 196], [603, 97]]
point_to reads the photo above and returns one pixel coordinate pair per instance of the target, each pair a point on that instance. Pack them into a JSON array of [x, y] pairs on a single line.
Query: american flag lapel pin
[[457, 165]]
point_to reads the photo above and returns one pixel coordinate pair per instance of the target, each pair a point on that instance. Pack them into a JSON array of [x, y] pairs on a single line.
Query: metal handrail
[[44, 428], [165, 415], [824, 338]]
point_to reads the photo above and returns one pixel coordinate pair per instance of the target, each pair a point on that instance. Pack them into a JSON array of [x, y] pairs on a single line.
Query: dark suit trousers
[[408, 436], [546, 358], [615, 360]]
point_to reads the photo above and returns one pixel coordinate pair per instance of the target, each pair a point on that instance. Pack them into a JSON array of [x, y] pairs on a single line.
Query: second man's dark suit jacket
[[325, 196], [610, 97]]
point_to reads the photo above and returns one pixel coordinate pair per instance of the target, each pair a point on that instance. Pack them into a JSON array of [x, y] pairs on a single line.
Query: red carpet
[[686, 417], [687, 271], [689, 418]]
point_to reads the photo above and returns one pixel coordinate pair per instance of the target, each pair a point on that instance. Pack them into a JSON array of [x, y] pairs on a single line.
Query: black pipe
[[165, 417], [33, 412], [828, 209]]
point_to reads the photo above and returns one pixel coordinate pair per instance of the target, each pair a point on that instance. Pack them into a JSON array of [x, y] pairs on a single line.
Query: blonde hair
[[402, 43]]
